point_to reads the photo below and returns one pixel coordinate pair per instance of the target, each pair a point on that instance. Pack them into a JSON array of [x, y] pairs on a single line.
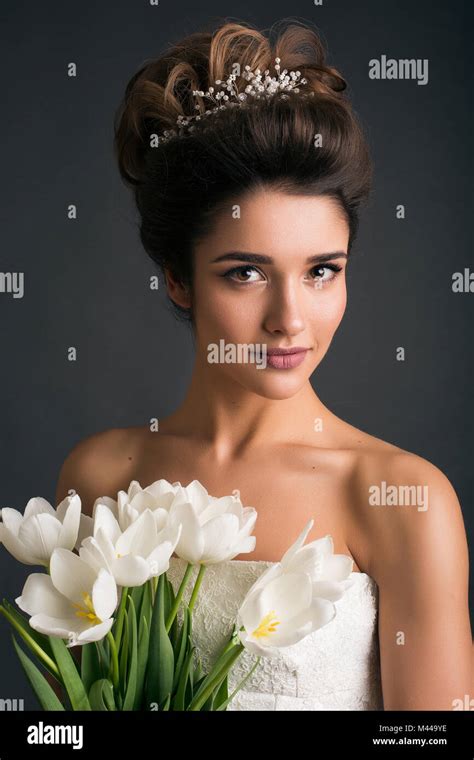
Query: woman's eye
[[325, 273], [232, 273]]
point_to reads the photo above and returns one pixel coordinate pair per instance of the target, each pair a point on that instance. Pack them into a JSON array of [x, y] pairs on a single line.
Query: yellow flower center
[[267, 626], [86, 610]]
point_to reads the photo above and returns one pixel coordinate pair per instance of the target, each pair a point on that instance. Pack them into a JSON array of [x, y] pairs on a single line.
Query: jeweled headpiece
[[258, 87]]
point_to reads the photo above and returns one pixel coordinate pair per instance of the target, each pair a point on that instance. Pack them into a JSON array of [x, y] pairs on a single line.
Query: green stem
[[179, 595], [153, 585], [233, 641], [202, 570], [120, 617], [114, 661], [239, 686], [99, 655], [31, 643], [196, 704]]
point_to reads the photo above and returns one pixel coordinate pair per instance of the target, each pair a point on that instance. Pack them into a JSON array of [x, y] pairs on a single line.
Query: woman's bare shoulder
[[396, 499], [349, 437], [403, 506], [99, 465]]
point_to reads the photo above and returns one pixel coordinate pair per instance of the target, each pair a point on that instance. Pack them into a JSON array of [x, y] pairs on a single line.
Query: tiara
[[257, 88]]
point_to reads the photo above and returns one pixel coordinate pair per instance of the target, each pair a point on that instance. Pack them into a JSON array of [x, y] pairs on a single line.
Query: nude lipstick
[[286, 358]]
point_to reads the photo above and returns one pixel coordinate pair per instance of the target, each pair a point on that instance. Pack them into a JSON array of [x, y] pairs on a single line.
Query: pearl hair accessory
[[285, 81]]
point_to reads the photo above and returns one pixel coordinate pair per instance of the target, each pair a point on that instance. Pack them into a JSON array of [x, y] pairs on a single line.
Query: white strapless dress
[[334, 668]]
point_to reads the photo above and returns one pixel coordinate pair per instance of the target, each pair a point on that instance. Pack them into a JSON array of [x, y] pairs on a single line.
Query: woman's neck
[[232, 420]]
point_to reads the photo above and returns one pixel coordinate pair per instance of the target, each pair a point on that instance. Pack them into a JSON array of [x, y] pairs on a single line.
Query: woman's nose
[[285, 312]]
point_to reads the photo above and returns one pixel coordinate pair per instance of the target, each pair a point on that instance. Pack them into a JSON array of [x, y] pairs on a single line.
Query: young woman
[[251, 213]]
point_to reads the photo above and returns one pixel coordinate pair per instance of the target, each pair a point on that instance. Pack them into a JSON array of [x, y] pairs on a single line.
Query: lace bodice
[[336, 667]]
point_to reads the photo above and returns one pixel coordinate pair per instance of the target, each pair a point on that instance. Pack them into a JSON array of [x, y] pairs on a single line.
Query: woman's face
[[254, 284]]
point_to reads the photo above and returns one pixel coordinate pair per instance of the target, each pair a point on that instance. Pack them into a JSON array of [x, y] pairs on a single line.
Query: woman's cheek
[[328, 311], [230, 313], [220, 316]]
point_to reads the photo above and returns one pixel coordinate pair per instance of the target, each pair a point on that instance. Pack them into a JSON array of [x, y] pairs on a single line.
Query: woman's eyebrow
[[260, 258]]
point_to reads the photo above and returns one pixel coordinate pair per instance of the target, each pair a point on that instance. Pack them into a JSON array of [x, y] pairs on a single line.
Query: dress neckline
[[266, 562]]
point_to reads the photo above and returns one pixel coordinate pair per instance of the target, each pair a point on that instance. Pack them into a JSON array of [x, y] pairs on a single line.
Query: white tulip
[[293, 597], [214, 529], [329, 572], [130, 504], [32, 537], [74, 602], [135, 555]]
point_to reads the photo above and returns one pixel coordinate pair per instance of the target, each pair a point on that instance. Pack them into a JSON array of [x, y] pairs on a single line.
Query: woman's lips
[[286, 361]]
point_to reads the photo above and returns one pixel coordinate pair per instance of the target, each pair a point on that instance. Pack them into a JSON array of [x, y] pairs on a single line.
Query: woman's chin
[[275, 385]]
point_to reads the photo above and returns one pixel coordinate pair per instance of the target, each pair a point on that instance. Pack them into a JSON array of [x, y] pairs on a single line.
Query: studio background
[[86, 281]]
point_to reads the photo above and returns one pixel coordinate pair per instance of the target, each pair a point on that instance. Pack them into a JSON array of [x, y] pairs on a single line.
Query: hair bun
[[162, 88]]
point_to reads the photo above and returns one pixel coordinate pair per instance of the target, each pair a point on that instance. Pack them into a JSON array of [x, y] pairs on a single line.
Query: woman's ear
[[178, 292]]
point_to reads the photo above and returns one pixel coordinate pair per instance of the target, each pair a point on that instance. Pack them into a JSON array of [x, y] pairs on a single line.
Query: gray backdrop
[[86, 281]]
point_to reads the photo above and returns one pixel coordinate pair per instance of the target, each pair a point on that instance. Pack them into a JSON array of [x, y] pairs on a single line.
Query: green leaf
[[26, 633], [90, 665], [169, 599], [214, 679], [142, 662], [137, 594], [101, 695], [40, 638], [160, 669], [104, 656], [181, 646], [71, 678], [117, 628], [180, 698], [168, 591], [123, 654], [130, 692], [145, 610], [218, 705], [222, 694], [207, 706], [198, 671], [45, 694]]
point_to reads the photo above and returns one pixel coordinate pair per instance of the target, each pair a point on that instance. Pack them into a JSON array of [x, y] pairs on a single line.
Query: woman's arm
[[420, 562]]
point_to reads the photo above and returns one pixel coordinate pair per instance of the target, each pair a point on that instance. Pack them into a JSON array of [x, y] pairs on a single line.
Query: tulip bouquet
[[105, 588]]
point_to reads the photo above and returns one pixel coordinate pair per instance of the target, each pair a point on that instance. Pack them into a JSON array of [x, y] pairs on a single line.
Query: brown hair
[[181, 185]]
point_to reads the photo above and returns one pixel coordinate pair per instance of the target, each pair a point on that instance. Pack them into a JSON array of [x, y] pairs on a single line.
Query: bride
[[249, 206]]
